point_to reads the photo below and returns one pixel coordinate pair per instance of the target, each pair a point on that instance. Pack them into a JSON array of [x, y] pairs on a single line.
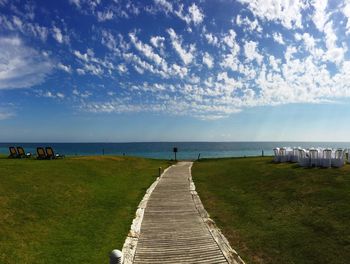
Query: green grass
[[278, 213], [74, 210]]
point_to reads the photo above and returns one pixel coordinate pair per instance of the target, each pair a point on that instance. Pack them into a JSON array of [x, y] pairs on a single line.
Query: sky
[[161, 70]]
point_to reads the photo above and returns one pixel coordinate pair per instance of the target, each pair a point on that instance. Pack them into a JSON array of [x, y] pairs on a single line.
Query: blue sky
[[161, 70]]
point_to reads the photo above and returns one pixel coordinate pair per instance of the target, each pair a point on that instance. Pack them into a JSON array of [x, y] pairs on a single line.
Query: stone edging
[[230, 254], [130, 244]]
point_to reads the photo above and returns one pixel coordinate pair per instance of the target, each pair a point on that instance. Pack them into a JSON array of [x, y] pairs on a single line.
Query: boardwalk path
[[172, 230]]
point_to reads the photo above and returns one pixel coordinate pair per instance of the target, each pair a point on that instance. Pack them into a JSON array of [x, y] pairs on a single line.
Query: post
[[199, 155], [103, 151], [175, 151], [262, 153], [160, 171], [115, 257]]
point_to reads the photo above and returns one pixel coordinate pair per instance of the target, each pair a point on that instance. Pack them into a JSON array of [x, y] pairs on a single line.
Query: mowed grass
[[278, 213], [74, 210]]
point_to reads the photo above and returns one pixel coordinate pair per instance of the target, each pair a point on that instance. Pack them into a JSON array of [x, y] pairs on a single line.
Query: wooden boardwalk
[[172, 230]]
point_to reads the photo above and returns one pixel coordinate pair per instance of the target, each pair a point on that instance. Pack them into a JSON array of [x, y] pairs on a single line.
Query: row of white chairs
[[313, 157]]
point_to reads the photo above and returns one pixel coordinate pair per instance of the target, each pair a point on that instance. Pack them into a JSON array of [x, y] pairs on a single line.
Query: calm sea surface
[[163, 150]]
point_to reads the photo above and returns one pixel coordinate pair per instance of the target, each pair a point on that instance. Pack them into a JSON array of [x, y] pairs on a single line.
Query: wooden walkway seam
[[172, 226]]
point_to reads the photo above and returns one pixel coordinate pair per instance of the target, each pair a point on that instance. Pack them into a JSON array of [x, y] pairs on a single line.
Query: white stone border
[[230, 254], [130, 244]]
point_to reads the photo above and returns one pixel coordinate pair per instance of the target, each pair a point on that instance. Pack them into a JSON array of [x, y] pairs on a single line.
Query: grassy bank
[[278, 213], [73, 210]]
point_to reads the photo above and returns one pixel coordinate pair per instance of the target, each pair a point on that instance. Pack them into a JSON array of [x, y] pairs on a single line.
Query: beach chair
[[51, 154], [313, 157], [283, 155], [276, 152], [13, 153], [326, 161], [338, 160], [22, 153], [40, 153], [303, 159], [295, 155]]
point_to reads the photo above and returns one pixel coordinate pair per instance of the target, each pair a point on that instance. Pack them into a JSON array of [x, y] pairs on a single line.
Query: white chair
[[303, 159], [276, 152], [326, 161], [295, 155], [313, 157], [283, 155], [338, 160]]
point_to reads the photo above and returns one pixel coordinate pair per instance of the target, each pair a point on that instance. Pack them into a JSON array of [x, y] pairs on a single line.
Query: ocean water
[[163, 150]]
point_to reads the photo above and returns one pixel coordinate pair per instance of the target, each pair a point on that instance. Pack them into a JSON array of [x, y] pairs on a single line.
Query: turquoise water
[[163, 150]]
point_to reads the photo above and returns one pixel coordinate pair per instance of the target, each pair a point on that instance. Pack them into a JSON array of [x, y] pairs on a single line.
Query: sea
[[164, 150]]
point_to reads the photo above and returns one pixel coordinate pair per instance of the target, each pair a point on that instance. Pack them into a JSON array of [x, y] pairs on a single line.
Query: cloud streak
[[20, 65]]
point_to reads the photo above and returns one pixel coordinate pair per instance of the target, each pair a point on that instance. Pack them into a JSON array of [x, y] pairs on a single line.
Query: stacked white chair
[[313, 157], [338, 160], [326, 160], [276, 152], [295, 155], [283, 155], [303, 159]]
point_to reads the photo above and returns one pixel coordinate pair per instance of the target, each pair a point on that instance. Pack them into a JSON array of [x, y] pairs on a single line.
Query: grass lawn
[[74, 210], [278, 213]]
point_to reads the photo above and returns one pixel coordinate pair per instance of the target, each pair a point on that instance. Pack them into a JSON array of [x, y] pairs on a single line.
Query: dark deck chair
[[22, 153], [13, 153], [51, 154], [40, 153]]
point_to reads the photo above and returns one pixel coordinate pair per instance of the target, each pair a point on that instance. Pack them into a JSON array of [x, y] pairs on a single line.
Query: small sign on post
[[175, 151]]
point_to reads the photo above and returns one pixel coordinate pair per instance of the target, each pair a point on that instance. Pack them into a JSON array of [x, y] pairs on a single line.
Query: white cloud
[[66, 68], [167, 6], [84, 57], [84, 95], [5, 113], [122, 68], [346, 12], [75, 2], [230, 38], [60, 95], [287, 12], [20, 65], [3, 2], [17, 24], [58, 35], [186, 54], [227, 81], [208, 60], [320, 16], [103, 16], [278, 38], [49, 94], [147, 51], [230, 61], [251, 53], [180, 71], [157, 41], [213, 40], [195, 14], [80, 71], [247, 24]]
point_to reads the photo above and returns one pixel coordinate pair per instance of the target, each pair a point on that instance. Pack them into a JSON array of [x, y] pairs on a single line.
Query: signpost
[[175, 151]]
